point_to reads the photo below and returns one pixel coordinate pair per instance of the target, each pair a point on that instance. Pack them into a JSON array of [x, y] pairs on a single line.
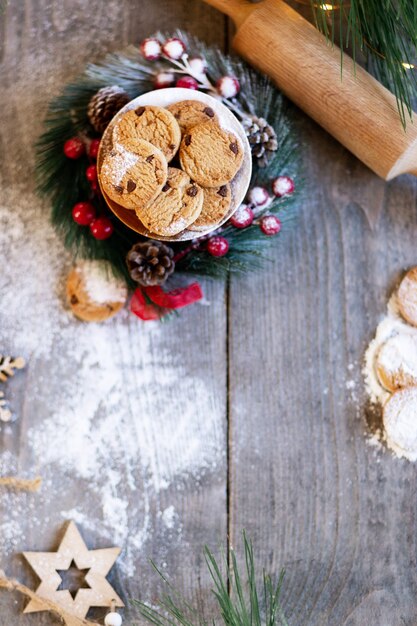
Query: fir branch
[[240, 602], [385, 31]]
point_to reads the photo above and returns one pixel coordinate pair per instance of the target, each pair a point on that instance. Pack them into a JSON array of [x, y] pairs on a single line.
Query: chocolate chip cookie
[[151, 123], [189, 113], [216, 204], [133, 180], [177, 206], [93, 293], [211, 155]]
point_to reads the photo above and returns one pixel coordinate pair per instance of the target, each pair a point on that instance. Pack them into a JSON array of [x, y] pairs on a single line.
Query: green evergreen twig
[[385, 31], [240, 600]]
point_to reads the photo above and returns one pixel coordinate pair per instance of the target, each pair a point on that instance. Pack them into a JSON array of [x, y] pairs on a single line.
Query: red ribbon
[[152, 303]]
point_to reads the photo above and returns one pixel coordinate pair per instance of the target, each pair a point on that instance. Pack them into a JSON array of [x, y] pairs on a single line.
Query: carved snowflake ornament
[[8, 366]]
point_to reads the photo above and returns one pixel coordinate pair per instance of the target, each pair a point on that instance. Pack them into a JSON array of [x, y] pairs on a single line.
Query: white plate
[[228, 121]]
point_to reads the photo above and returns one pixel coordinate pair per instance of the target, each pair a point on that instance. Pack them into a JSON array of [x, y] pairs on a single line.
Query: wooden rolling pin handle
[[355, 108], [238, 10]]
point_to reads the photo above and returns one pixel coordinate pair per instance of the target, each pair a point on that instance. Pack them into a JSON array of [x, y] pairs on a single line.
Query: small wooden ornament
[[21, 484], [8, 365], [97, 564], [5, 413]]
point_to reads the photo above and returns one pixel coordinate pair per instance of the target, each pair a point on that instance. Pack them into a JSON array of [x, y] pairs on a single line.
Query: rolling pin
[[352, 106]]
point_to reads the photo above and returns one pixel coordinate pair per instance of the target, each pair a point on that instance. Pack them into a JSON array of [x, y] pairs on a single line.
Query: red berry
[[164, 79], [91, 173], [187, 82], [217, 246], [83, 213], [258, 196], [151, 49], [242, 217], [174, 48], [282, 186], [101, 228], [228, 86], [270, 225], [94, 185], [74, 148], [94, 147]]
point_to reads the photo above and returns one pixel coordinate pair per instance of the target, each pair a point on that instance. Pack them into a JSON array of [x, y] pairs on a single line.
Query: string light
[[324, 6], [408, 66]]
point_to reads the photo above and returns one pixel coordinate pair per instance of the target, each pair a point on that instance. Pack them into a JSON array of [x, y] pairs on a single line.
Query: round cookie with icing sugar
[[396, 362], [151, 123], [407, 297], [210, 155], [400, 423], [189, 113], [178, 205], [134, 179], [216, 204], [93, 292]]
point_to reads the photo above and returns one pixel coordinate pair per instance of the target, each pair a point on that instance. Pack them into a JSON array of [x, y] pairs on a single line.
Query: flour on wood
[[98, 426]]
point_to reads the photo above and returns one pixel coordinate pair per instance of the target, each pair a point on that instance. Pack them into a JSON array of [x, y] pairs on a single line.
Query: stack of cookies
[[173, 166]]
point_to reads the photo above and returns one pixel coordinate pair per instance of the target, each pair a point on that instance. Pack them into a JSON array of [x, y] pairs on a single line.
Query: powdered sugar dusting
[[394, 351], [391, 325], [400, 421], [116, 167], [100, 283], [98, 425]]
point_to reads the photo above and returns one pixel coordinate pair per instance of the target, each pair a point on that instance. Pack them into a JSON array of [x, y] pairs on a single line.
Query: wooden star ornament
[[94, 565]]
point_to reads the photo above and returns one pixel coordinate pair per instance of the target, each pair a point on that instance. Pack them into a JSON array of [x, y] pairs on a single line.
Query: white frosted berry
[[228, 86], [242, 217], [270, 225], [198, 66], [151, 49], [282, 186], [113, 619], [164, 79], [259, 196], [173, 48]]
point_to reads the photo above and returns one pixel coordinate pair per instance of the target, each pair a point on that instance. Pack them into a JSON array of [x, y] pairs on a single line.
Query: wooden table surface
[[262, 390]]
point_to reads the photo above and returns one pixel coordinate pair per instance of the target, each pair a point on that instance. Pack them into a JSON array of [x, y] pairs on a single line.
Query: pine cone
[[104, 105], [262, 138], [150, 262]]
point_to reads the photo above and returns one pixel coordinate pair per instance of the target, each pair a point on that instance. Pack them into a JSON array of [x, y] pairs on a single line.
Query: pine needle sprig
[[240, 600], [385, 31]]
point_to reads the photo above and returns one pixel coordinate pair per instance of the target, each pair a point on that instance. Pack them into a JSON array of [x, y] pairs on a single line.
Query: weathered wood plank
[[314, 497], [154, 480]]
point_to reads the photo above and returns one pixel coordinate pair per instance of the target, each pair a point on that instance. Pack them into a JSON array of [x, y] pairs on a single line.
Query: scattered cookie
[[94, 294], [216, 204], [177, 206], [400, 423], [211, 155], [151, 123], [189, 113], [407, 297], [396, 362], [133, 180]]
